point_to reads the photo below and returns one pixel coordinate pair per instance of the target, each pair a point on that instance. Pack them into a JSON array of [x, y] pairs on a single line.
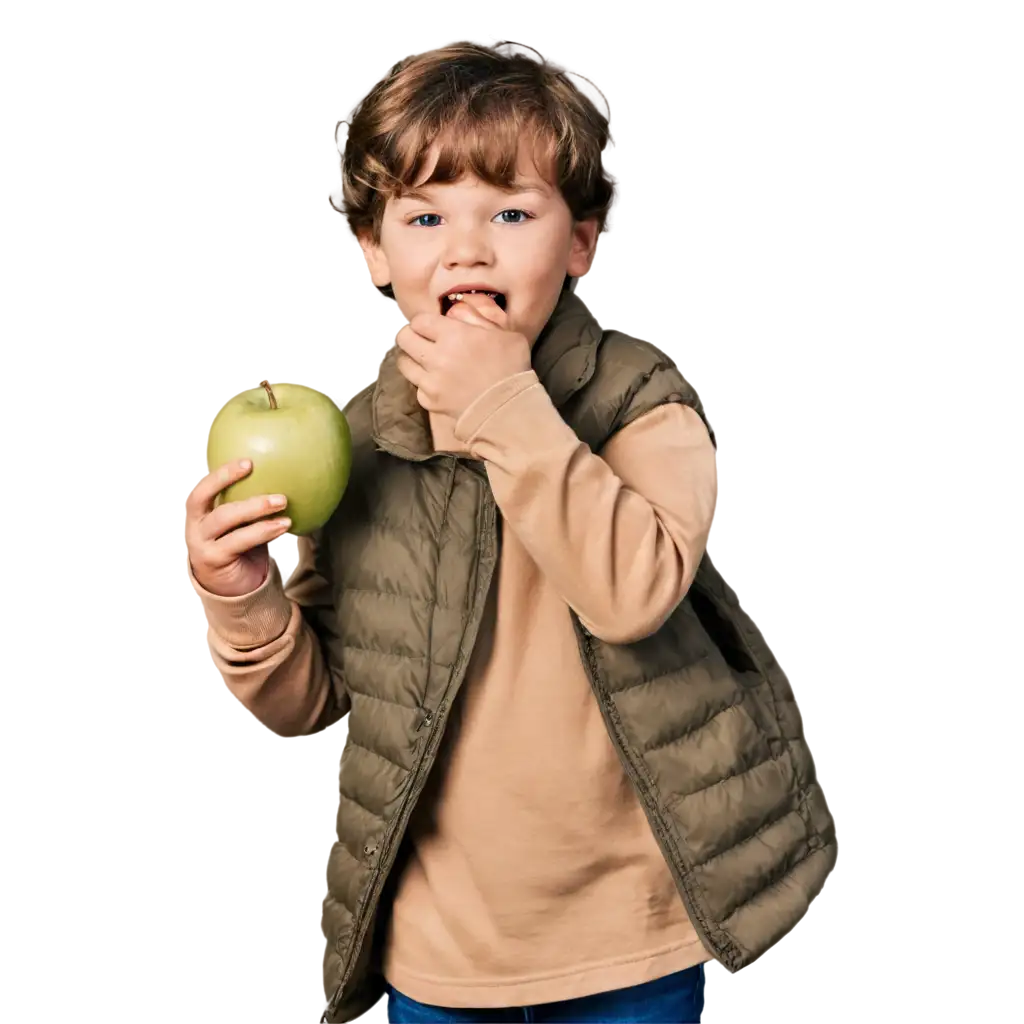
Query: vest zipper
[[727, 954], [432, 719], [384, 850]]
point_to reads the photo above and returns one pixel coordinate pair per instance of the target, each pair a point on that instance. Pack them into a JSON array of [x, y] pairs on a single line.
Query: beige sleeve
[[619, 535], [272, 646]]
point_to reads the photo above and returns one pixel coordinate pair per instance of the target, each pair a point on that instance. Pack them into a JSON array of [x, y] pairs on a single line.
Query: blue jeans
[[674, 999]]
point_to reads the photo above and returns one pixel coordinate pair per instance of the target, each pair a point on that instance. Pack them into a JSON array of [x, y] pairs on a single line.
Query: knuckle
[[199, 563], [218, 553]]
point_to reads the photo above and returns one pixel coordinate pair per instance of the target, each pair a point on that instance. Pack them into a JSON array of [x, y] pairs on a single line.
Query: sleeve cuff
[[473, 417], [248, 620]]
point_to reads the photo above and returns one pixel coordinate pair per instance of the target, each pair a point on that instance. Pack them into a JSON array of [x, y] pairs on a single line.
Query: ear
[[380, 272], [584, 246]]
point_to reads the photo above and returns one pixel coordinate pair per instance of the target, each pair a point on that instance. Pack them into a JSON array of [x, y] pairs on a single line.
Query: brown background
[[830, 233]]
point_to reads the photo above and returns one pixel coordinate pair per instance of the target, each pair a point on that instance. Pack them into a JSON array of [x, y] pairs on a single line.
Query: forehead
[[528, 178]]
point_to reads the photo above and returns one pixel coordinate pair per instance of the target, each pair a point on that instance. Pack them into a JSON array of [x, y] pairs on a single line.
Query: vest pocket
[[729, 654], [722, 633]]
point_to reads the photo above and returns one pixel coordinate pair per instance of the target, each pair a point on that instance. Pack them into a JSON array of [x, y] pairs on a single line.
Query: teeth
[[457, 296]]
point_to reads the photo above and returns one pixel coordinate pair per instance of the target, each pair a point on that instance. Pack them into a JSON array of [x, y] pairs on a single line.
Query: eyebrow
[[424, 197]]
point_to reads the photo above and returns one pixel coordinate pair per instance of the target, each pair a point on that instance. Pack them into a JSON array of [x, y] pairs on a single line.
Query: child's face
[[468, 231]]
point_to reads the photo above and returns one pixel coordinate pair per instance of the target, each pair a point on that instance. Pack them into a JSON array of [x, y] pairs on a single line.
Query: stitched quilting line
[[650, 679], [735, 775], [383, 700], [391, 654], [689, 732], [400, 767], [397, 594], [361, 806], [747, 839], [768, 888], [774, 874]]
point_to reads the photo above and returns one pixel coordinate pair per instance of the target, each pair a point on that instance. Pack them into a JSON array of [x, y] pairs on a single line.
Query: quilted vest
[[700, 713]]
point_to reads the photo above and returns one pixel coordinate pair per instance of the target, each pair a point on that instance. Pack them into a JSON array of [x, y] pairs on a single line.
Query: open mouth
[[447, 302]]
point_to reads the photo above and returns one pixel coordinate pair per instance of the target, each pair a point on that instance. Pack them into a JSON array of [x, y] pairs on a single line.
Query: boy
[[515, 589]]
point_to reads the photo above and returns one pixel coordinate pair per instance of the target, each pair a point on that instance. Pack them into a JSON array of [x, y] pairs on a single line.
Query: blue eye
[[526, 216], [505, 214]]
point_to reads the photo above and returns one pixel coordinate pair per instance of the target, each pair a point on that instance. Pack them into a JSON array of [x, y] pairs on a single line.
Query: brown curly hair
[[477, 104]]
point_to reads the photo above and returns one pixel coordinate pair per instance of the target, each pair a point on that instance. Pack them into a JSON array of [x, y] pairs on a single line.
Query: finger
[[244, 539], [467, 314], [200, 500], [478, 308], [411, 370], [225, 518], [419, 379], [426, 402], [428, 327], [413, 344]]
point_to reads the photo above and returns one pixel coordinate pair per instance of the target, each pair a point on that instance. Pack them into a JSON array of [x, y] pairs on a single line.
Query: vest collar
[[564, 358]]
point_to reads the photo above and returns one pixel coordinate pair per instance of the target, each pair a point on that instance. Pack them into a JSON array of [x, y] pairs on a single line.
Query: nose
[[467, 246]]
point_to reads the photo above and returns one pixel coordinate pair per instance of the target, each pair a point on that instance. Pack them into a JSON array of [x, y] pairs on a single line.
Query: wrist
[[250, 619], [225, 590]]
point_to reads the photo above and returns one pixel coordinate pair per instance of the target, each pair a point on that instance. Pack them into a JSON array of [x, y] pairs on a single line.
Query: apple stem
[[273, 401]]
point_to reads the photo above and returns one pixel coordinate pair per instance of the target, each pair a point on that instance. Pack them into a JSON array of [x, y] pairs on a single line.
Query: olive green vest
[[701, 714]]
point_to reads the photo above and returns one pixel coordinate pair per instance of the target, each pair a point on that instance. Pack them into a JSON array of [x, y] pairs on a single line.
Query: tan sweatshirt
[[534, 874]]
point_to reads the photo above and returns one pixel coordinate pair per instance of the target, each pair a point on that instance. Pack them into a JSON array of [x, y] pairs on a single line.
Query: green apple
[[299, 444]]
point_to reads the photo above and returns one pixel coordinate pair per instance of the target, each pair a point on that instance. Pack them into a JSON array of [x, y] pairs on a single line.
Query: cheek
[[410, 269], [550, 245]]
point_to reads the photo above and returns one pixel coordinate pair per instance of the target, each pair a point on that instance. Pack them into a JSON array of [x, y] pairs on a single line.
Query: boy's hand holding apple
[[294, 446], [452, 359], [228, 557]]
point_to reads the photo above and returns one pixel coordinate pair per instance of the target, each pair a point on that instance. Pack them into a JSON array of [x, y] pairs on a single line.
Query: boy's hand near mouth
[[453, 359]]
